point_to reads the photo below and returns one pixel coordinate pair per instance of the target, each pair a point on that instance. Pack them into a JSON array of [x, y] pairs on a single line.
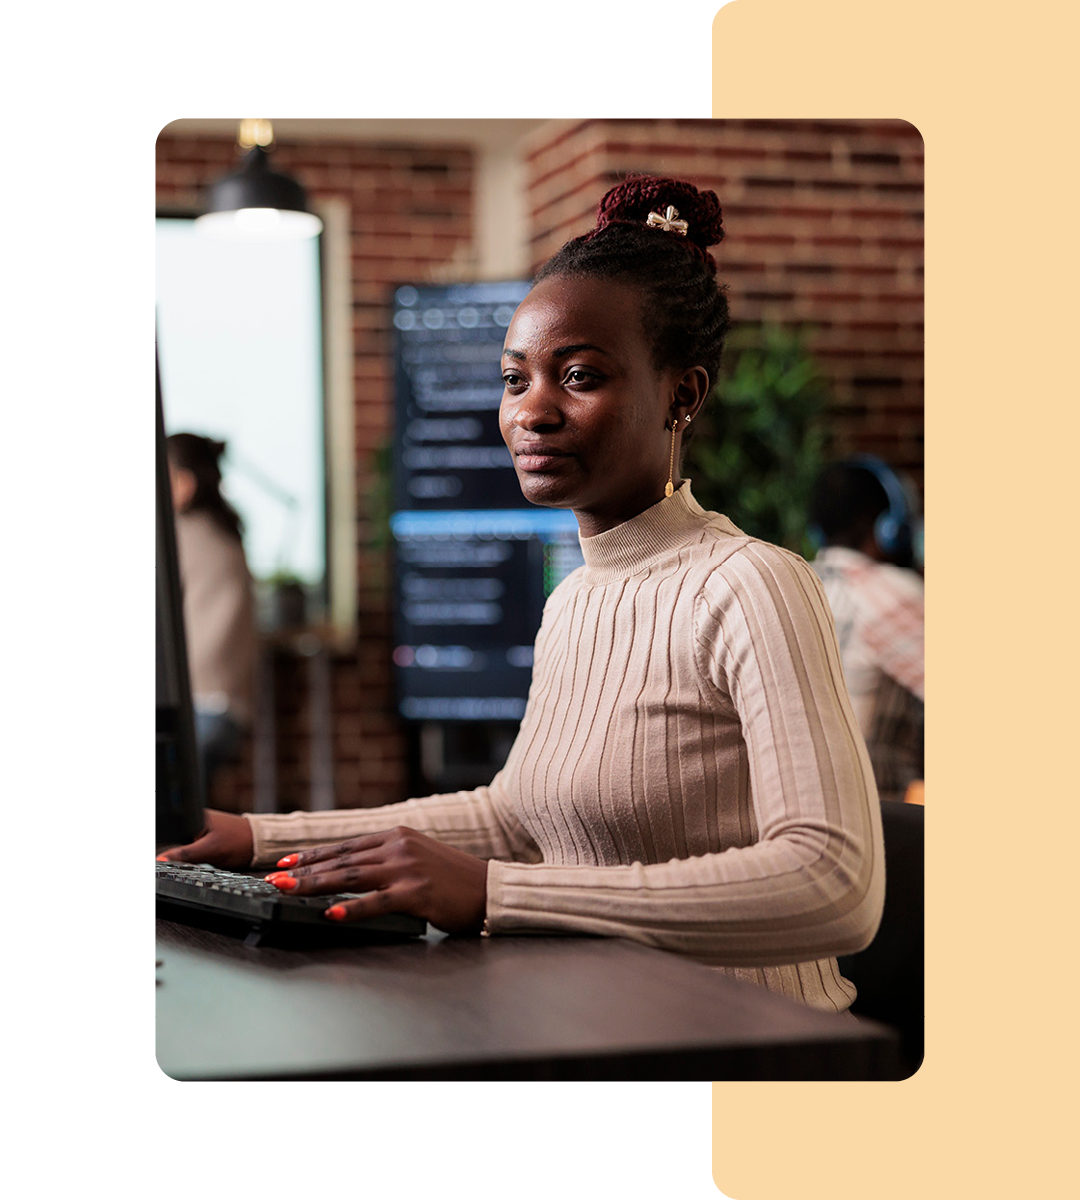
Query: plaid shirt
[[878, 611]]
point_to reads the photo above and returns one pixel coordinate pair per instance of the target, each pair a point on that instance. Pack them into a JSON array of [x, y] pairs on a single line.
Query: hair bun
[[631, 201]]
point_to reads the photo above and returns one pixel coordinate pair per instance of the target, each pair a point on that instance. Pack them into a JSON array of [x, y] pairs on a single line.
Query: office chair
[[889, 972]]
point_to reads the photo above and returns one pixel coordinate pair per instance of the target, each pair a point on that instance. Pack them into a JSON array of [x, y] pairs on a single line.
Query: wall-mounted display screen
[[449, 453], [475, 561]]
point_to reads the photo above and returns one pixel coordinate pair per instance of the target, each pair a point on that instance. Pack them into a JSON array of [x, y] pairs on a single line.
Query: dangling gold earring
[[669, 487]]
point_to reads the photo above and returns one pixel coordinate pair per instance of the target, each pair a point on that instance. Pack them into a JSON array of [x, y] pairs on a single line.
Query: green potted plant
[[288, 607], [761, 441]]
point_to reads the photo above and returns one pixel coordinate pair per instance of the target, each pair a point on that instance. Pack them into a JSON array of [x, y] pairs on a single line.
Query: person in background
[[689, 771], [871, 541], [218, 596]]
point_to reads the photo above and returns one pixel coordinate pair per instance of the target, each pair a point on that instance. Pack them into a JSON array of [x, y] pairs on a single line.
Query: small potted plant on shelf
[[287, 600]]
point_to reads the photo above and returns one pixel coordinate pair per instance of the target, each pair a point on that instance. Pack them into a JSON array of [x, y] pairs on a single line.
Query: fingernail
[[285, 882], [290, 860], [336, 912], [163, 858]]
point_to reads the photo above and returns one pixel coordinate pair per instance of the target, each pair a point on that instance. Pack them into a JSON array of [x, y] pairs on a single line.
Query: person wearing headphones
[[871, 541]]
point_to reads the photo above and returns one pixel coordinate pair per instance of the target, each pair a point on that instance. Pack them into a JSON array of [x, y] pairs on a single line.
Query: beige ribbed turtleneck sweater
[[688, 772]]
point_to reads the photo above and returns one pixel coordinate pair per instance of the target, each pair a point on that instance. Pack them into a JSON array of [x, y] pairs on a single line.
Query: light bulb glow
[[259, 225], [257, 220]]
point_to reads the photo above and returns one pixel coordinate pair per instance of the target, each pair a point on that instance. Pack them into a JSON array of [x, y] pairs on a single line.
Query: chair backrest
[[889, 973]]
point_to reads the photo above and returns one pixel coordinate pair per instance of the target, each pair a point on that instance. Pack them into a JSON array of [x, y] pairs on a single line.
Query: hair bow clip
[[669, 222]]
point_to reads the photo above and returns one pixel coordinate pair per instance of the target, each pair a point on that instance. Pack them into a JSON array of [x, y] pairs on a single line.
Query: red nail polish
[[288, 861], [285, 882], [336, 912]]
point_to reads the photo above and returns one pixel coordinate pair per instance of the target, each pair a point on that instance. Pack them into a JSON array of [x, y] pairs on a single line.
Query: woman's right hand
[[225, 841]]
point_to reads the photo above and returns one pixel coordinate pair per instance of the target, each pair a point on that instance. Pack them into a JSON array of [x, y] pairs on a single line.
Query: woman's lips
[[539, 457]]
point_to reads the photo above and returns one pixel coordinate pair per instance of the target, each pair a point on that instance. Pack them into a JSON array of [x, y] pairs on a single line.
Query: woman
[[688, 771], [219, 609]]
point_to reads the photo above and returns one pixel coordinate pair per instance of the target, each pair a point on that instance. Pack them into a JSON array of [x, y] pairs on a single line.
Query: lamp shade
[[256, 203]]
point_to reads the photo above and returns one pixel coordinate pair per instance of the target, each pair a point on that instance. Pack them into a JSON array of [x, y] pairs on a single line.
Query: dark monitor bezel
[[179, 791]]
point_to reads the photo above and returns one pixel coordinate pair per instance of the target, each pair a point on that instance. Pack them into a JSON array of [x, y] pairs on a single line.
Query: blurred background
[[353, 374]]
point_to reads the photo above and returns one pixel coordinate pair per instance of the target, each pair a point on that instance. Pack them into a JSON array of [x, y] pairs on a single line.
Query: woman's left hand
[[402, 871]]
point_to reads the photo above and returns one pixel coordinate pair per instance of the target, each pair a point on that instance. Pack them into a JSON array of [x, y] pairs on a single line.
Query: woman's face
[[182, 484], [584, 412]]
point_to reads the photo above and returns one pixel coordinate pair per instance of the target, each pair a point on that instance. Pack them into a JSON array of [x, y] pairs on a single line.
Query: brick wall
[[410, 219], [823, 227]]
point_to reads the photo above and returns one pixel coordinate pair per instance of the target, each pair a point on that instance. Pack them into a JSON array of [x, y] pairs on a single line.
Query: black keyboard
[[241, 903]]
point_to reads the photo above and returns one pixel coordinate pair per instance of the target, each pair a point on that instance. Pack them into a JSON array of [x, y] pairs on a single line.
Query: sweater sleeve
[[478, 822], [811, 884]]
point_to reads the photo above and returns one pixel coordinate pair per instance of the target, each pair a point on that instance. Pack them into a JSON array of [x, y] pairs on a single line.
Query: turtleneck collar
[[659, 529]]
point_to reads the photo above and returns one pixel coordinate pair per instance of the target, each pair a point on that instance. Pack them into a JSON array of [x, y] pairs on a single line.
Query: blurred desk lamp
[[255, 203]]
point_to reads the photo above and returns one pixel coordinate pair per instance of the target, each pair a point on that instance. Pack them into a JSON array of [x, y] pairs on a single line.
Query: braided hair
[[201, 456], [684, 308]]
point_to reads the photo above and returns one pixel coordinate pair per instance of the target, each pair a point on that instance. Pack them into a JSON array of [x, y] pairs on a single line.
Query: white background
[[86, 89]]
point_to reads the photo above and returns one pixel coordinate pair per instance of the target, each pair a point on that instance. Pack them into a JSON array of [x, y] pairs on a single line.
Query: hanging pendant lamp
[[256, 203]]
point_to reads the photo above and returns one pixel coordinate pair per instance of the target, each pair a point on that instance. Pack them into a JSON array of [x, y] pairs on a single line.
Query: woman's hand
[[225, 841], [404, 871]]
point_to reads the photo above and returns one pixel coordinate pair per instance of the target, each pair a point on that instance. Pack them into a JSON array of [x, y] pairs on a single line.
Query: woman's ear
[[689, 393]]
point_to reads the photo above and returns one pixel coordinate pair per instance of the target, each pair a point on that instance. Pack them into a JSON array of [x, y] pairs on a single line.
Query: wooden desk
[[486, 1008]]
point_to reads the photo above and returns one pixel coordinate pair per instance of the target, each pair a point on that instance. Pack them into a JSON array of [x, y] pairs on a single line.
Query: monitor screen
[[470, 592]]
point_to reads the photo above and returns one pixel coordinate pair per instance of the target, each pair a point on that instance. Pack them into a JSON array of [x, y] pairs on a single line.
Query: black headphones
[[898, 528]]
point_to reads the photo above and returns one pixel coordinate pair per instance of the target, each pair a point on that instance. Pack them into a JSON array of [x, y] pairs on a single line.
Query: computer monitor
[[469, 595], [179, 786]]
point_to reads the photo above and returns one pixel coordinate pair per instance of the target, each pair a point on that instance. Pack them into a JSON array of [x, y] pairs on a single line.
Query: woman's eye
[[512, 381], [577, 375]]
